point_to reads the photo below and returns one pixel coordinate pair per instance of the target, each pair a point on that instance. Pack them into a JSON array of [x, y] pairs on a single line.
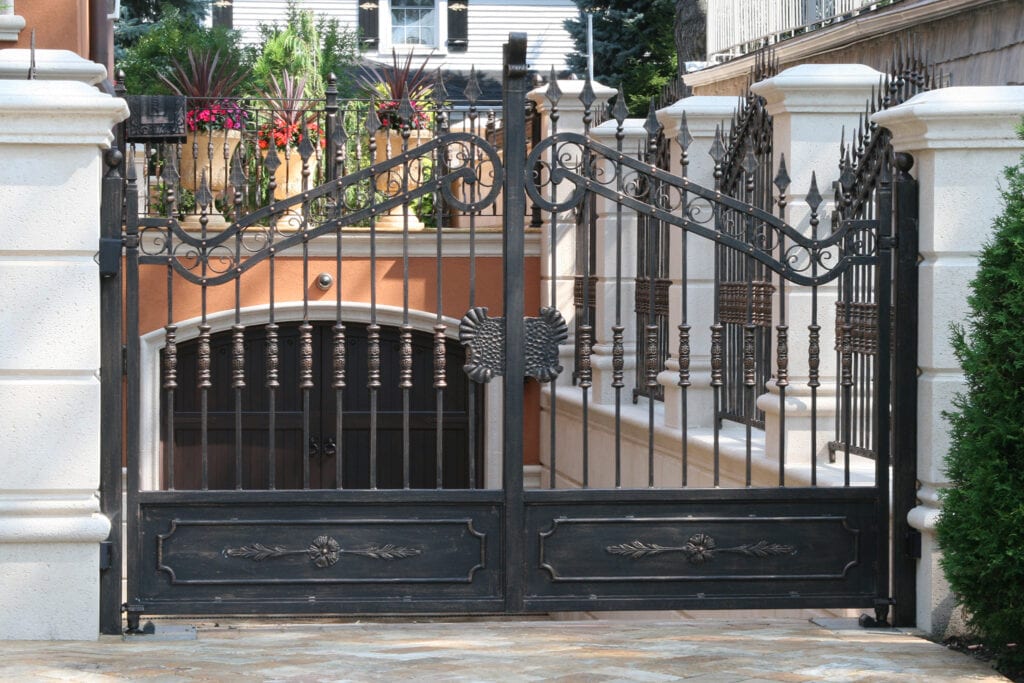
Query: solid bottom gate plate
[[274, 556]]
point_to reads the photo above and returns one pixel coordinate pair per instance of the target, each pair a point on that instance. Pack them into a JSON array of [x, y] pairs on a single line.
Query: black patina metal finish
[[245, 497]]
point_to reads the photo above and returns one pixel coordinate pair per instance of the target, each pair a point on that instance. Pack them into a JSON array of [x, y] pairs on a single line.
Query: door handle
[[314, 447], [330, 447]]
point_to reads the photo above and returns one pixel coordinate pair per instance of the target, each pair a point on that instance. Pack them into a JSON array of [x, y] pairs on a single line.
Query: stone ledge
[[51, 65], [10, 26]]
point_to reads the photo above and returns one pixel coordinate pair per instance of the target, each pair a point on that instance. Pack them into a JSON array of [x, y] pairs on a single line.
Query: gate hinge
[[888, 242], [106, 555], [124, 360], [912, 544], [110, 256]]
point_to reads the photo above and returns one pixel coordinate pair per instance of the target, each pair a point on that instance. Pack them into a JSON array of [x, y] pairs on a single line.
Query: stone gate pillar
[[811, 104], [704, 115], [961, 140], [52, 134]]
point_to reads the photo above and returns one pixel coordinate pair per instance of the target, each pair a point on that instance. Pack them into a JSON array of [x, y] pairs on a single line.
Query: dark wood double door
[[348, 453]]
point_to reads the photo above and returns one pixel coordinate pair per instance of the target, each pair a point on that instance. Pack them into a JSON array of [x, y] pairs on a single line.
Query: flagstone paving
[[703, 650]]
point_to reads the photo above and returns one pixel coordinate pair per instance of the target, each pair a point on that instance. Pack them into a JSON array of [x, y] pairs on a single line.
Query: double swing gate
[[329, 411]]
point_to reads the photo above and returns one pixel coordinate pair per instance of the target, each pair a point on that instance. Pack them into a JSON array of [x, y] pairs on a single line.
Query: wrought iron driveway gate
[[290, 454]]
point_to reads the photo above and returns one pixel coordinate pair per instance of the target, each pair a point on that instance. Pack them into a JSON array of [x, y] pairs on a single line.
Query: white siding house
[[457, 34]]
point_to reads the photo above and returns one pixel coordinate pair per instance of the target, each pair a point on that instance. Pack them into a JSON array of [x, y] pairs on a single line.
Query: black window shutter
[[458, 29], [369, 24]]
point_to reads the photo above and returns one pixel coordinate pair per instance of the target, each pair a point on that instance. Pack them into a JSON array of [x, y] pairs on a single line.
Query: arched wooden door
[[330, 452]]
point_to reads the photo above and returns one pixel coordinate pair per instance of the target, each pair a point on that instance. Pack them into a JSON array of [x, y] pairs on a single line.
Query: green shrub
[[981, 528], [169, 41], [305, 47]]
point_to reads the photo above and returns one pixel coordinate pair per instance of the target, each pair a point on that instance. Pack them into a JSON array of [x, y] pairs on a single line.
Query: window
[[413, 22], [430, 24]]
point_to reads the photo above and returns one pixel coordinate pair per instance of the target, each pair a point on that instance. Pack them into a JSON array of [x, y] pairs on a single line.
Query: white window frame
[[384, 31]]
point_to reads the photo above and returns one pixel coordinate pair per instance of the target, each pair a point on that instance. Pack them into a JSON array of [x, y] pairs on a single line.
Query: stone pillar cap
[[819, 88], [630, 127], [968, 117], [703, 113], [51, 65], [57, 112]]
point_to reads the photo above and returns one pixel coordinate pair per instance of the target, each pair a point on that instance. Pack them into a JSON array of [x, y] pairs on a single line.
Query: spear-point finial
[[373, 123], [814, 198], [619, 110], [652, 125], [553, 92], [472, 92], [684, 138], [782, 177]]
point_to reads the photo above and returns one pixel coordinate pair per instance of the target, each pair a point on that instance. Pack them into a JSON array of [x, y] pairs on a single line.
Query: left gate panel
[[338, 552]]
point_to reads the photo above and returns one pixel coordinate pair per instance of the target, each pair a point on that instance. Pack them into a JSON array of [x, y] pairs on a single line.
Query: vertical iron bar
[[514, 211], [373, 330], [782, 329], [111, 413], [133, 390], [904, 392], [306, 362], [883, 381], [553, 117], [440, 349], [338, 382], [272, 382], [618, 352], [473, 388], [405, 336]]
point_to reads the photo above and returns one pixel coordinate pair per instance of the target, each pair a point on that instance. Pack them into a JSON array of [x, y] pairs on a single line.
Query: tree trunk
[[691, 19]]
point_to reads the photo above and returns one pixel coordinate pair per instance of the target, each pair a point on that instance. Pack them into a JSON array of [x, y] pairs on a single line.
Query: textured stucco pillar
[[704, 114], [52, 134], [561, 239], [961, 139], [811, 105]]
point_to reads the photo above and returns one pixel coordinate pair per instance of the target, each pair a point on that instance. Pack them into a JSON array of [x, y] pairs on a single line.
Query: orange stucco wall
[[59, 25]]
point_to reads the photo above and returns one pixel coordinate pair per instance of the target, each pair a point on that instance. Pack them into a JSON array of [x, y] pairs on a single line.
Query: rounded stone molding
[[43, 517]]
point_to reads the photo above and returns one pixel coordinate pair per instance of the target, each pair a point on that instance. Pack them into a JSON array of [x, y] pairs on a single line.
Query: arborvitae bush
[[981, 529]]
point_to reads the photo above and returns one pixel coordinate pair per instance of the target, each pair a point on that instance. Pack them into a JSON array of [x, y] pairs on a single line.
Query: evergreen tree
[[981, 528], [634, 45], [139, 16]]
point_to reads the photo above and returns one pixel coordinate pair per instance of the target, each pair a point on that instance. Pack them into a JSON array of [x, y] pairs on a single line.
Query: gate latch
[[109, 258], [484, 338]]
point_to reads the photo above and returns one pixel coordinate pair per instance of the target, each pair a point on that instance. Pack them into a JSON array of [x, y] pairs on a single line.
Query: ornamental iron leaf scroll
[[699, 548], [323, 552]]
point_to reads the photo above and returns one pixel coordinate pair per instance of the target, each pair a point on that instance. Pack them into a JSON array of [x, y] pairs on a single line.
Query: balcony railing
[[735, 27]]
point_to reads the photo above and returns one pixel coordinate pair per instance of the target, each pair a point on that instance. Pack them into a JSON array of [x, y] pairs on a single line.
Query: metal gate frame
[[524, 551]]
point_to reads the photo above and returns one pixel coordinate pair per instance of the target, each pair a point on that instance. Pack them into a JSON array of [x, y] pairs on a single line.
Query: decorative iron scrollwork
[[699, 548], [323, 552], [484, 339]]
